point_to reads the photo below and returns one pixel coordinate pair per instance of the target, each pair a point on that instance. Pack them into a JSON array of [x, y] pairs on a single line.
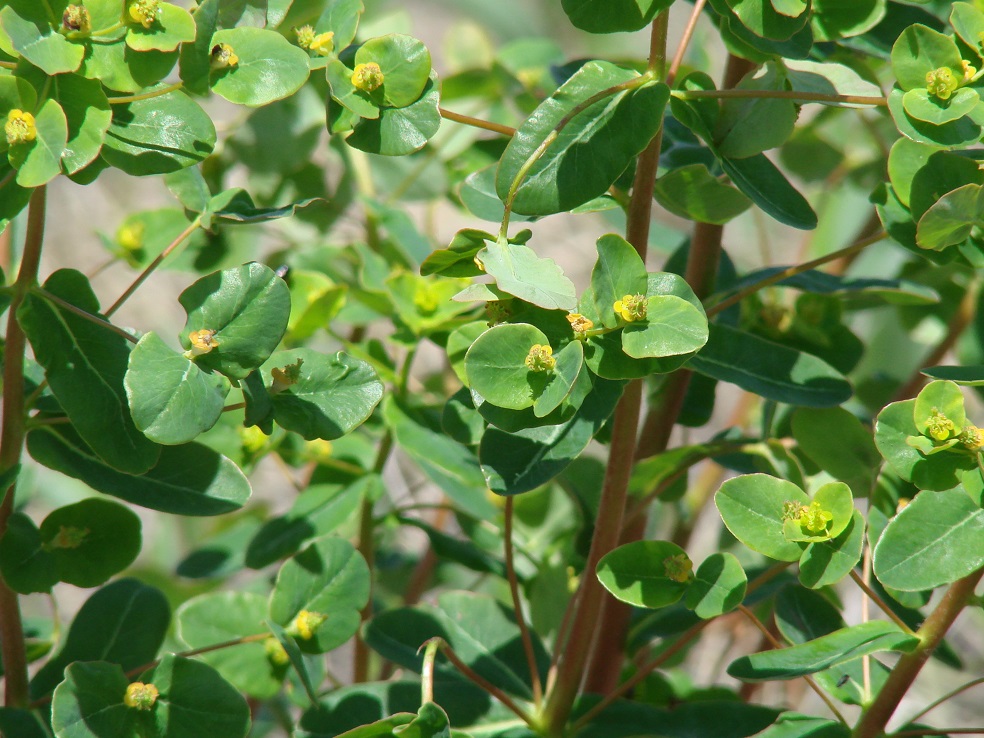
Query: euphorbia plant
[[561, 590]]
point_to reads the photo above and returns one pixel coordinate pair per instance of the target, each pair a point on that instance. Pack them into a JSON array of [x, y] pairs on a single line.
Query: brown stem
[[65, 305], [882, 605], [524, 631], [876, 716], [12, 648], [486, 125], [957, 325], [688, 34]]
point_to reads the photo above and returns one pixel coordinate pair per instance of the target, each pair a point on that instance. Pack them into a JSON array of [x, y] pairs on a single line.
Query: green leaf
[[692, 192], [838, 443], [719, 586], [328, 578], [45, 48], [381, 728], [247, 308], [893, 426], [83, 544], [405, 64], [770, 369], [920, 50], [346, 94], [458, 259], [822, 653], [187, 480], [968, 22], [88, 116], [196, 702], [481, 631], [123, 623], [619, 271], [937, 172], [269, 68], [608, 16], [766, 186], [39, 161], [400, 131], [89, 703], [762, 19], [919, 104], [752, 507], [833, 19], [85, 365], [643, 573], [935, 398], [497, 370], [296, 658], [673, 326], [158, 135], [952, 218], [518, 462], [960, 133], [561, 384], [332, 396], [965, 376], [218, 617], [933, 541], [827, 562], [122, 69], [172, 27], [171, 399], [196, 56], [23, 723], [519, 271], [589, 153]]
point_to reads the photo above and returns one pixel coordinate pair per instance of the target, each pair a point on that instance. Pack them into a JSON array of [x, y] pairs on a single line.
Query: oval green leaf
[[269, 67], [400, 131], [496, 365], [827, 562], [618, 272], [752, 509], [405, 63], [673, 326], [646, 573], [519, 271], [719, 586]]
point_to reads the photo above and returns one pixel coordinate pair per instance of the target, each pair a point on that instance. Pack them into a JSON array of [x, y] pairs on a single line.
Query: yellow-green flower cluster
[[631, 308], [144, 12], [941, 83], [679, 567], [202, 342], [223, 57], [320, 43], [579, 324], [76, 18], [19, 127], [939, 427], [540, 358], [367, 77], [306, 623], [140, 696]]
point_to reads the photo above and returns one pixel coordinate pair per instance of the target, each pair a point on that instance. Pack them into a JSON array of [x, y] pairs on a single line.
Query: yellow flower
[[941, 83], [140, 696], [678, 567], [276, 652], [285, 377], [223, 57], [306, 623], [579, 324], [144, 12], [20, 127], [540, 359], [367, 77], [631, 308], [939, 427], [813, 518], [202, 342], [76, 18]]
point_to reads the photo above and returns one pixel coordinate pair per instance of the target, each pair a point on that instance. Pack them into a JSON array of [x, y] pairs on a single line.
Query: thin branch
[[939, 731], [524, 631], [793, 271], [882, 605], [688, 33], [83, 314], [485, 125], [781, 94], [493, 690], [146, 95], [142, 277], [778, 646], [949, 695], [427, 670]]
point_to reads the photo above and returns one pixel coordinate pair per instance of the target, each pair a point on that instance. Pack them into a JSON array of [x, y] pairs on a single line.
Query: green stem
[[793, 271], [524, 631], [781, 94], [485, 125], [948, 696], [146, 95], [142, 277], [553, 135], [876, 716], [12, 647], [83, 314], [431, 648]]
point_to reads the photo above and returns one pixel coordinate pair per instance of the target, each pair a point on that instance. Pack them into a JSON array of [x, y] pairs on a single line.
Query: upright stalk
[[12, 648], [905, 671]]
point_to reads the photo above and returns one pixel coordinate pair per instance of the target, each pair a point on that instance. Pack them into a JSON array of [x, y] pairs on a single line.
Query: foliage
[[561, 589]]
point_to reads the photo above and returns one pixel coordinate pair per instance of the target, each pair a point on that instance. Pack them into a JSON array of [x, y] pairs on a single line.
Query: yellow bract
[[367, 77], [144, 12], [19, 127], [631, 308]]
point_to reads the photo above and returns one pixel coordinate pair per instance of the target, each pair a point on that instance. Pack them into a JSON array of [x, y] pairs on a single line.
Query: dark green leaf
[[691, 192], [647, 574], [400, 131], [608, 16]]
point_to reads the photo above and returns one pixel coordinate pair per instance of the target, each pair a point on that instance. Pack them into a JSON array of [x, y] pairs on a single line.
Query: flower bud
[[76, 18], [305, 624], [140, 696]]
